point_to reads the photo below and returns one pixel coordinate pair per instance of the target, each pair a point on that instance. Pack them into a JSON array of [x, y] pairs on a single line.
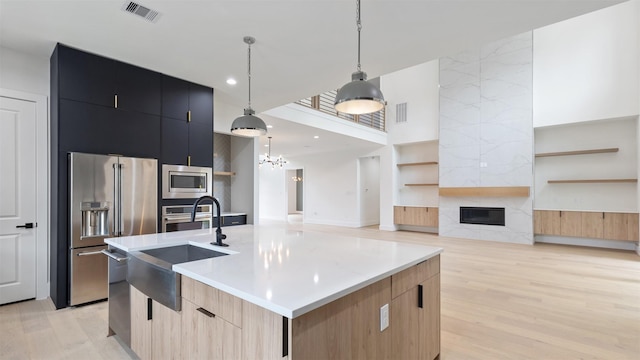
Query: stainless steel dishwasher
[[119, 294]]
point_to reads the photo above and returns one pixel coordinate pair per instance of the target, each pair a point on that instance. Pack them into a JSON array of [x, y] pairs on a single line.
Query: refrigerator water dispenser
[[95, 219]]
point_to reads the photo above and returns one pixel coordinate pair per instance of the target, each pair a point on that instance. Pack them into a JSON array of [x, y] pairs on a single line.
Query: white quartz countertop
[[286, 271]]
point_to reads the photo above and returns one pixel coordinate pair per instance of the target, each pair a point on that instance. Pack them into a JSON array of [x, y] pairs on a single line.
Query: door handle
[[25, 226]]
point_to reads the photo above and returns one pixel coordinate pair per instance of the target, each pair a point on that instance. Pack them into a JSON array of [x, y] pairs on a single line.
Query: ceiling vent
[[401, 113], [139, 10]]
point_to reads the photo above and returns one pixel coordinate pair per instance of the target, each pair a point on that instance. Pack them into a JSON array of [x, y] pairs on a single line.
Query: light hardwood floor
[[499, 301]]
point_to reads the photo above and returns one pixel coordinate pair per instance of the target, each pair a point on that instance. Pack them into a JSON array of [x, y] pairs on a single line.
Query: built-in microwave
[[186, 182]]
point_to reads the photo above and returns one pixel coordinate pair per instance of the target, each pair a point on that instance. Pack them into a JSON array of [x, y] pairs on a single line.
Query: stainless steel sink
[[182, 253], [150, 271]]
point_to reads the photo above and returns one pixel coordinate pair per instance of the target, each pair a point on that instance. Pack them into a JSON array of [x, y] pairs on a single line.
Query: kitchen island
[[295, 294]]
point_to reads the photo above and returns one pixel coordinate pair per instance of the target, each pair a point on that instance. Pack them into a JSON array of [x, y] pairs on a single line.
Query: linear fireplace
[[482, 215]]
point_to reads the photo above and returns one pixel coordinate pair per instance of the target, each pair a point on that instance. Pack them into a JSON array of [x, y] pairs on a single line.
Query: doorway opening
[[295, 195]]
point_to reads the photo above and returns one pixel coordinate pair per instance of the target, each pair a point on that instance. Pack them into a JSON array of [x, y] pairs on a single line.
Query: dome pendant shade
[[248, 125], [359, 96]]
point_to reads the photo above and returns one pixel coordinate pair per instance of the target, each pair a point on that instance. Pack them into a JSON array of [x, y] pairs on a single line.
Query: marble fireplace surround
[[486, 139]]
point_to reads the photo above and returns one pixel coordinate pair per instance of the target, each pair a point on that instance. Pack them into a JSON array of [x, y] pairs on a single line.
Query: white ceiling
[[304, 47]]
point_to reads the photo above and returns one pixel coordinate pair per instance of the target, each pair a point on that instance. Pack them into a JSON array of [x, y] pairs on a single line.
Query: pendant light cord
[[359, 24], [249, 71]]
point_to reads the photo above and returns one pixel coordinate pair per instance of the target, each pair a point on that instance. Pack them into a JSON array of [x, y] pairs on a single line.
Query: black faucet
[[219, 235]]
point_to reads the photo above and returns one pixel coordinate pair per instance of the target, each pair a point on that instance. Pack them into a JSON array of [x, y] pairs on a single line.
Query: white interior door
[[17, 200]]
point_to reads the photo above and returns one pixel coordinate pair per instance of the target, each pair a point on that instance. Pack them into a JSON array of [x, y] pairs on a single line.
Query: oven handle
[[186, 219], [109, 254]]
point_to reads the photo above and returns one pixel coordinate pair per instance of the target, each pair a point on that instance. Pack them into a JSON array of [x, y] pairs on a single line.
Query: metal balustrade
[[324, 102]]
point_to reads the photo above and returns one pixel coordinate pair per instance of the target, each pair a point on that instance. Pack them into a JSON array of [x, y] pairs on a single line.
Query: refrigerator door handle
[[119, 199], [116, 216]]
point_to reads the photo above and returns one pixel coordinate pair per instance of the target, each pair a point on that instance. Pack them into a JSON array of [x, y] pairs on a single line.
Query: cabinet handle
[[149, 309], [115, 101], [189, 116], [235, 222], [285, 336], [188, 160], [420, 305], [208, 313]]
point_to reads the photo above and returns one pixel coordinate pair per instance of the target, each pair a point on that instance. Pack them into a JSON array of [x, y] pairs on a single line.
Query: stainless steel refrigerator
[[110, 196]]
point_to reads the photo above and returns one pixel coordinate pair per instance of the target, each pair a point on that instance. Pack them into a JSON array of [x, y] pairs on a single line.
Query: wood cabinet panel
[[405, 325], [256, 342], [409, 278], [546, 222], [347, 328], [430, 317], [415, 311], [141, 326], [592, 225], [570, 223], [414, 215], [207, 336], [155, 329], [218, 302], [621, 226]]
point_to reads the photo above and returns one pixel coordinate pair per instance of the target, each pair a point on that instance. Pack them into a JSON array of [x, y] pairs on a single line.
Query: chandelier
[[278, 162]]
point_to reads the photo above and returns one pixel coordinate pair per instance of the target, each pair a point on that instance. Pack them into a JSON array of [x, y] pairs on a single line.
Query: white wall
[[369, 190], [418, 87], [586, 68], [601, 134], [291, 191], [23, 72], [273, 202], [27, 77]]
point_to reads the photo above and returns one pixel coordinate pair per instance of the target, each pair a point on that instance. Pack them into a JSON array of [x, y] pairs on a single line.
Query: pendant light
[[249, 124], [359, 96]]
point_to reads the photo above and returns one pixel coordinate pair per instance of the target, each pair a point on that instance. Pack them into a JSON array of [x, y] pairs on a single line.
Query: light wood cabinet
[[155, 329], [208, 336], [546, 222], [570, 223], [591, 224], [587, 224], [415, 311], [415, 215], [621, 226]]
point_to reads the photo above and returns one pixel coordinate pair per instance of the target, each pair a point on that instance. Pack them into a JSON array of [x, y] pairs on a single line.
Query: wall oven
[[186, 182], [178, 217]]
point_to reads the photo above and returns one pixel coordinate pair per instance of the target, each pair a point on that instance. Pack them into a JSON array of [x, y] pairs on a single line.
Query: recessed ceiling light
[[266, 145], [316, 137], [269, 126], [231, 81]]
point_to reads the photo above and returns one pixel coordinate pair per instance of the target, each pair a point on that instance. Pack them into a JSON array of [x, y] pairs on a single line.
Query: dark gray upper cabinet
[[101, 81], [184, 100]]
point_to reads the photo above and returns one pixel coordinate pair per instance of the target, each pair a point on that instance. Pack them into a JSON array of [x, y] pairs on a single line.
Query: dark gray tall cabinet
[[104, 106]]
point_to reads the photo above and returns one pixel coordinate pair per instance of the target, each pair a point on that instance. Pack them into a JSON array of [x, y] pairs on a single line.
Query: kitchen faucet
[[219, 235]]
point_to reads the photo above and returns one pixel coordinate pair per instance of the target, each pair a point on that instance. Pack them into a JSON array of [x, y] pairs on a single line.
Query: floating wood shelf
[[419, 163], [420, 184], [502, 191], [592, 181], [579, 152], [224, 173]]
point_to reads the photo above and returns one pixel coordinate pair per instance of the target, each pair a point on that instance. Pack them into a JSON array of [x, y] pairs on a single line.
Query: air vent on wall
[[401, 113], [142, 11]]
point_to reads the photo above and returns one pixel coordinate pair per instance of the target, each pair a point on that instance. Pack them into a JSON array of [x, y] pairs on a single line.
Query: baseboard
[[599, 243], [426, 229]]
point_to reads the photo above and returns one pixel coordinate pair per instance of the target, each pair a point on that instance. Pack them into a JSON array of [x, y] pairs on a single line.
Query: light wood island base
[[216, 325]]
